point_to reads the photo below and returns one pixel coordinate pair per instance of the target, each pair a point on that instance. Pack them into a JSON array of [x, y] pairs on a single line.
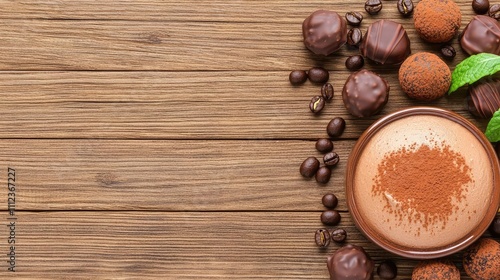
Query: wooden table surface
[[162, 139]]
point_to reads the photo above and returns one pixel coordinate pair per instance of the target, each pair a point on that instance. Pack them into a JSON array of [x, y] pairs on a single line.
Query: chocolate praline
[[482, 34], [350, 262], [365, 93], [484, 97], [324, 32], [437, 21], [386, 42]]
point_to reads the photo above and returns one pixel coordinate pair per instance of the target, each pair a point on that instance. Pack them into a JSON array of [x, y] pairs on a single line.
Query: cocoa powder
[[424, 183]]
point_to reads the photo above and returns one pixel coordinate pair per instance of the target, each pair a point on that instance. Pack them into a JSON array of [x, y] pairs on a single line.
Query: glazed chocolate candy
[[324, 32], [350, 262], [385, 42], [365, 93], [482, 34]]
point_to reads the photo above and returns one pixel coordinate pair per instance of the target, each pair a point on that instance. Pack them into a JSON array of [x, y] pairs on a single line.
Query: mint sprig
[[493, 129], [474, 68]]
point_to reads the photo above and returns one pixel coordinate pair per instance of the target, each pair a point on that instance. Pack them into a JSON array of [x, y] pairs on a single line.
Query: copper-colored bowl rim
[[463, 242]]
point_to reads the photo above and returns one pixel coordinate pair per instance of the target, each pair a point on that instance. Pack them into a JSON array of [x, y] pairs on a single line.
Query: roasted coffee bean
[[494, 11], [405, 7], [387, 270], [323, 175], [322, 237], [309, 167], [495, 227], [324, 145], [354, 62], [317, 104], [480, 6], [335, 127], [330, 217], [373, 7], [338, 235], [327, 91], [331, 159], [448, 51], [318, 75], [330, 200], [354, 18], [297, 77], [354, 37]]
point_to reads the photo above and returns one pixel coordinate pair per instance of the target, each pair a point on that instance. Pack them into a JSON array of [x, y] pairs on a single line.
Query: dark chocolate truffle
[[365, 93], [350, 262], [435, 269], [484, 97], [385, 42], [437, 21], [324, 32], [482, 259], [424, 76], [482, 34]]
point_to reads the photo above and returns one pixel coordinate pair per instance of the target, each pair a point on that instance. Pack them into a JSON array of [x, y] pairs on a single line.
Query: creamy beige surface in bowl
[[410, 232]]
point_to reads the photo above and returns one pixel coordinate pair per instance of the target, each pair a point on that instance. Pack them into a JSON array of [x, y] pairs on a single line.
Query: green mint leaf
[[474, 68], [493, 129]]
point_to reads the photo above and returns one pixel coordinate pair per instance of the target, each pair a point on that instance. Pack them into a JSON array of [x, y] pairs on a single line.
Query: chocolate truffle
[[482, 259], [424, 76], [484, 97], [385, 42], [435, 269], [324, 32], [437, 21], [365, 93], [350, 262], [482, 34]]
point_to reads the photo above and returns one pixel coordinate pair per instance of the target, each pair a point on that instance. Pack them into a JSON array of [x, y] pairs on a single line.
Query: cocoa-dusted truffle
[[437, 21], [435, 269], [484, 97], [350, 262], [424, 76], [482, 259], [482, 34], [324, 32], [385, 42], [365, 93]]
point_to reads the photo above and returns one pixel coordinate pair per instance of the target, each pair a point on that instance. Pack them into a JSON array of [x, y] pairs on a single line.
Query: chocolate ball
[[350, 262], [385, 42], [435, 269], [482, 259], [365, 93], [424, 76], [437, 21], [484, 97], [324, 32], [482, 34]]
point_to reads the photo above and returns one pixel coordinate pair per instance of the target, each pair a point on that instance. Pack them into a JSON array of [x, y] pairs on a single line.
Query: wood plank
[[181, 105], [182, 245]]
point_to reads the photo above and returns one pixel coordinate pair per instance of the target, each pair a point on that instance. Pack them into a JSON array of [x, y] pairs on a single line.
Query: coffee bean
[[387, 270], [480, 6], [330, 200], [495, 227], [309, 167], [494, 11], [323, 175], [318, 75], [335, 127], [448, 52], [331, 159], [405, 7], [297, 77], [317, 104], [327, 91], [330, 217], [338, 235], [324, 145], [354, 37], [354, 62], [354, 18], [322, 237], [373, 6]]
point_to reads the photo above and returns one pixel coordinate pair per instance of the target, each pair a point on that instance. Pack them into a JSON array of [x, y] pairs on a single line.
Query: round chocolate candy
[[482, 34], [386, 42], [365, 93], [324, 32], [350, 262], [484, 97]]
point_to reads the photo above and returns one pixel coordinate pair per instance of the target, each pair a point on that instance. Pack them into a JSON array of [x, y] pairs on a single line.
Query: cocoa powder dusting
[[422, 183]]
